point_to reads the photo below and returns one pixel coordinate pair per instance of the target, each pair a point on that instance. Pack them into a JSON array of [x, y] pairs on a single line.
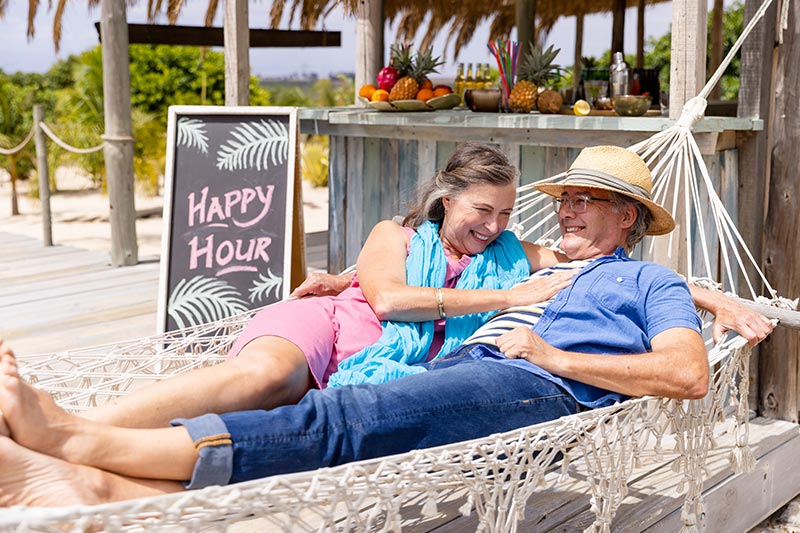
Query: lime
[[581, 108]]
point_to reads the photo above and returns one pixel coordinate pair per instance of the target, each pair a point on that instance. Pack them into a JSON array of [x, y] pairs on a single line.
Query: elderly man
[[622, 328]]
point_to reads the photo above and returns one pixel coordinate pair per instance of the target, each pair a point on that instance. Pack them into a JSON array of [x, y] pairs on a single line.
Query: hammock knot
[[693, 112]]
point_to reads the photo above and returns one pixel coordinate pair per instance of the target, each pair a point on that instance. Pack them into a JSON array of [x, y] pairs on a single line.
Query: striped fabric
[[521, 315]]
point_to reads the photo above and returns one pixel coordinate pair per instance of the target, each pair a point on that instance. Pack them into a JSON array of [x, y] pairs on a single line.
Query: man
[[622, 328]]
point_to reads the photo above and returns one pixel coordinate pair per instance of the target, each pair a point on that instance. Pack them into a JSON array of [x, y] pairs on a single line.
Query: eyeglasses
[[577, 203]]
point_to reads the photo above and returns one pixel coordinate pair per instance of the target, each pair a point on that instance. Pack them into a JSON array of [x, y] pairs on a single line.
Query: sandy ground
[[79, 213]]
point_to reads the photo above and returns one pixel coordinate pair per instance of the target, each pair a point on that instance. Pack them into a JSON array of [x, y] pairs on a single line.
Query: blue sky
[[17, 53]]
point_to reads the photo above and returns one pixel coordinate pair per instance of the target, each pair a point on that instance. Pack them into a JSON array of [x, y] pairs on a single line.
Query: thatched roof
[[458, 20]]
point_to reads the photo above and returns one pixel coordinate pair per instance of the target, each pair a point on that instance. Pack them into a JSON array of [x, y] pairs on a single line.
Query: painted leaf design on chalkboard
[[265, 285], [255, 145], [202, 300], [192, 134]]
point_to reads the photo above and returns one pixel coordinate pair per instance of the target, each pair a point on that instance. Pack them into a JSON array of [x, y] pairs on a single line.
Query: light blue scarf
[[403, 344]]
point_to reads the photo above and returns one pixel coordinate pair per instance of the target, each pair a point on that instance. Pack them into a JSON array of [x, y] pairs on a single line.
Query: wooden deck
[[60, 297]]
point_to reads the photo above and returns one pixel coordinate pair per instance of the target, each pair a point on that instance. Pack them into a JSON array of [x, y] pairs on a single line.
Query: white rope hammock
[[499, 472]]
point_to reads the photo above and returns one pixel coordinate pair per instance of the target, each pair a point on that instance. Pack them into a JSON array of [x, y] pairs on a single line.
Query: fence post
[[44, 174]]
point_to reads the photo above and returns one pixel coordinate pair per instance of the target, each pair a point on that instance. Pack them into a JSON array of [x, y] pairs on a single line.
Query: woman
[[293, 346]]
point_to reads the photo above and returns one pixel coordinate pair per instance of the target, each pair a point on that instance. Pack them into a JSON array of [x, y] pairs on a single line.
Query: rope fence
[[56, 139], [39, 134]]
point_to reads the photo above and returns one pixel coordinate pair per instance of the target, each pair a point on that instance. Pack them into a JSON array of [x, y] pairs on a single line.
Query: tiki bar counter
[[377, 157]]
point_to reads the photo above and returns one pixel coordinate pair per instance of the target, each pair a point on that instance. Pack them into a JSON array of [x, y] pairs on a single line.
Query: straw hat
[[616, 169]]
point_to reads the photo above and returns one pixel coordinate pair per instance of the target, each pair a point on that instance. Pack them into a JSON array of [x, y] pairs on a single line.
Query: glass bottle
[[469, 81], [619, 76], [458, 84], [487, 78]]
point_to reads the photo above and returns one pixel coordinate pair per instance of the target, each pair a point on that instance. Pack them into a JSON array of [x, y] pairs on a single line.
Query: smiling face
[[596, 232], [475, 218]]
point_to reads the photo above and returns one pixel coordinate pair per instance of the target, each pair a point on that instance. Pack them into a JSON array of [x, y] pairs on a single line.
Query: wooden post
[[717, 30], [618, 27], [526, 25], [118, 150], [688, 52], [780, 356], [640, 34], [42, 169], [369, 43], [237, 53], [755, 99], [577, 69]]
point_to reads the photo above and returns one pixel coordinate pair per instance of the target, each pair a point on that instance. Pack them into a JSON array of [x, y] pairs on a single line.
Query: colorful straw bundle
[[506, 54]]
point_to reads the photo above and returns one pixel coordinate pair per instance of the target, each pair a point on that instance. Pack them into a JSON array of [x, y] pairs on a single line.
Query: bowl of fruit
[[404, 84]]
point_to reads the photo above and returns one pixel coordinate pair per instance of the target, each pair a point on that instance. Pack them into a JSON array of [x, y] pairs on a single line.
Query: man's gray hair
[[643, 218]]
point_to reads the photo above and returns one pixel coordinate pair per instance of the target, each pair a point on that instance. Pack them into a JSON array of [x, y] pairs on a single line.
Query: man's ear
[[629, 215]]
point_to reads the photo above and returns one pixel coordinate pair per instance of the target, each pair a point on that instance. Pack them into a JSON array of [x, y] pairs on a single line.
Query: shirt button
[[619, 280]]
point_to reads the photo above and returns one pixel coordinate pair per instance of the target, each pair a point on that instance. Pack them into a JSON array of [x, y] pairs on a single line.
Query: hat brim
[[661, 224]]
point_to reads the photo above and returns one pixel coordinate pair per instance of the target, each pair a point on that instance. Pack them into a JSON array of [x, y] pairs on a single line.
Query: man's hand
[[322, 284], [733, 315], [523, 343]]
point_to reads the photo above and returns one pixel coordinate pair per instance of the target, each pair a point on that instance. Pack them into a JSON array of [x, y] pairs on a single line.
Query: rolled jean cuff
[[214, 446]]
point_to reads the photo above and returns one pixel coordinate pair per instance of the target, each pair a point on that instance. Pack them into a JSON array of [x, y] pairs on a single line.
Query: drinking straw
[[506, 54]]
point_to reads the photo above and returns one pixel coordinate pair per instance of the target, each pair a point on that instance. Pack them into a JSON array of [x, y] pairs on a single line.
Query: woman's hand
[[539, 289], [322, 284]]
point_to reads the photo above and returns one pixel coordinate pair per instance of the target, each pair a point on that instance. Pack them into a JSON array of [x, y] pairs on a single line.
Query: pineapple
[[414, 74], [536, 70]]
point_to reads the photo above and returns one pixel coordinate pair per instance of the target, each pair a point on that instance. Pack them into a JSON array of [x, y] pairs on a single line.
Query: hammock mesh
[[500, 472]]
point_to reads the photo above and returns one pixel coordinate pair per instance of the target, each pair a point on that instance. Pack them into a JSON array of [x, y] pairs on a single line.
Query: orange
[[366, 91], [426, 84], [379, 95], [442, 90], [425, 94]]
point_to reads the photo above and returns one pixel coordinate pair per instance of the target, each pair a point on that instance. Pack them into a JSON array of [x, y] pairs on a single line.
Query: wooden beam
[[577, 69], [755, 98], [688, 52], [118, 149], [780, 356], [203, 36], [526, 24], [237, 53], [618, 28], [369, 43], [717, 29], [640, 34]]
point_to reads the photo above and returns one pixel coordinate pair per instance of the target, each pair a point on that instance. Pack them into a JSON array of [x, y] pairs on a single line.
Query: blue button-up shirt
[[614, 306]]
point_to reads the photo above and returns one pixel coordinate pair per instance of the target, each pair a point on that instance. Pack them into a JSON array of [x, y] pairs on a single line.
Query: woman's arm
[[381, 271]]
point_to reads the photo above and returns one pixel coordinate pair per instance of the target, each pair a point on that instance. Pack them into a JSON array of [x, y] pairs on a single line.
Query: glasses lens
[[556, 205], [578, 204]]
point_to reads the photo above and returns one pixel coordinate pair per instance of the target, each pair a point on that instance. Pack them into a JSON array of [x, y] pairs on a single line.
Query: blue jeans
[[460, 398]]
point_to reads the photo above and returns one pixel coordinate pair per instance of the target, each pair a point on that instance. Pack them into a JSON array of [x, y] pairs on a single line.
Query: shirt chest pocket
[[614, 293]]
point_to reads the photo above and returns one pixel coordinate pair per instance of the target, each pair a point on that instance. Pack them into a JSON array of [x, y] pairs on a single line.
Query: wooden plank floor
[[61, 297]]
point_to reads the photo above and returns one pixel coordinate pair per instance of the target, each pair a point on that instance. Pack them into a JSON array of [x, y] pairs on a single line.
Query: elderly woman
[[432, 282]]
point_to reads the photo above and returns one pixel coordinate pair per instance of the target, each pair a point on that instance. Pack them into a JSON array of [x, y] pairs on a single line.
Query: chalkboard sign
[[228, 205]]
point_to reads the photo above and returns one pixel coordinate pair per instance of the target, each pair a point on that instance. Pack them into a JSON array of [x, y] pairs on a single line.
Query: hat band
[[596, 178]]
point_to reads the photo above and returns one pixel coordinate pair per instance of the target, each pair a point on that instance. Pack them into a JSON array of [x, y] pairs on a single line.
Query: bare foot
[[6, 356], [37, 480], [5, 350], [31, 416]]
